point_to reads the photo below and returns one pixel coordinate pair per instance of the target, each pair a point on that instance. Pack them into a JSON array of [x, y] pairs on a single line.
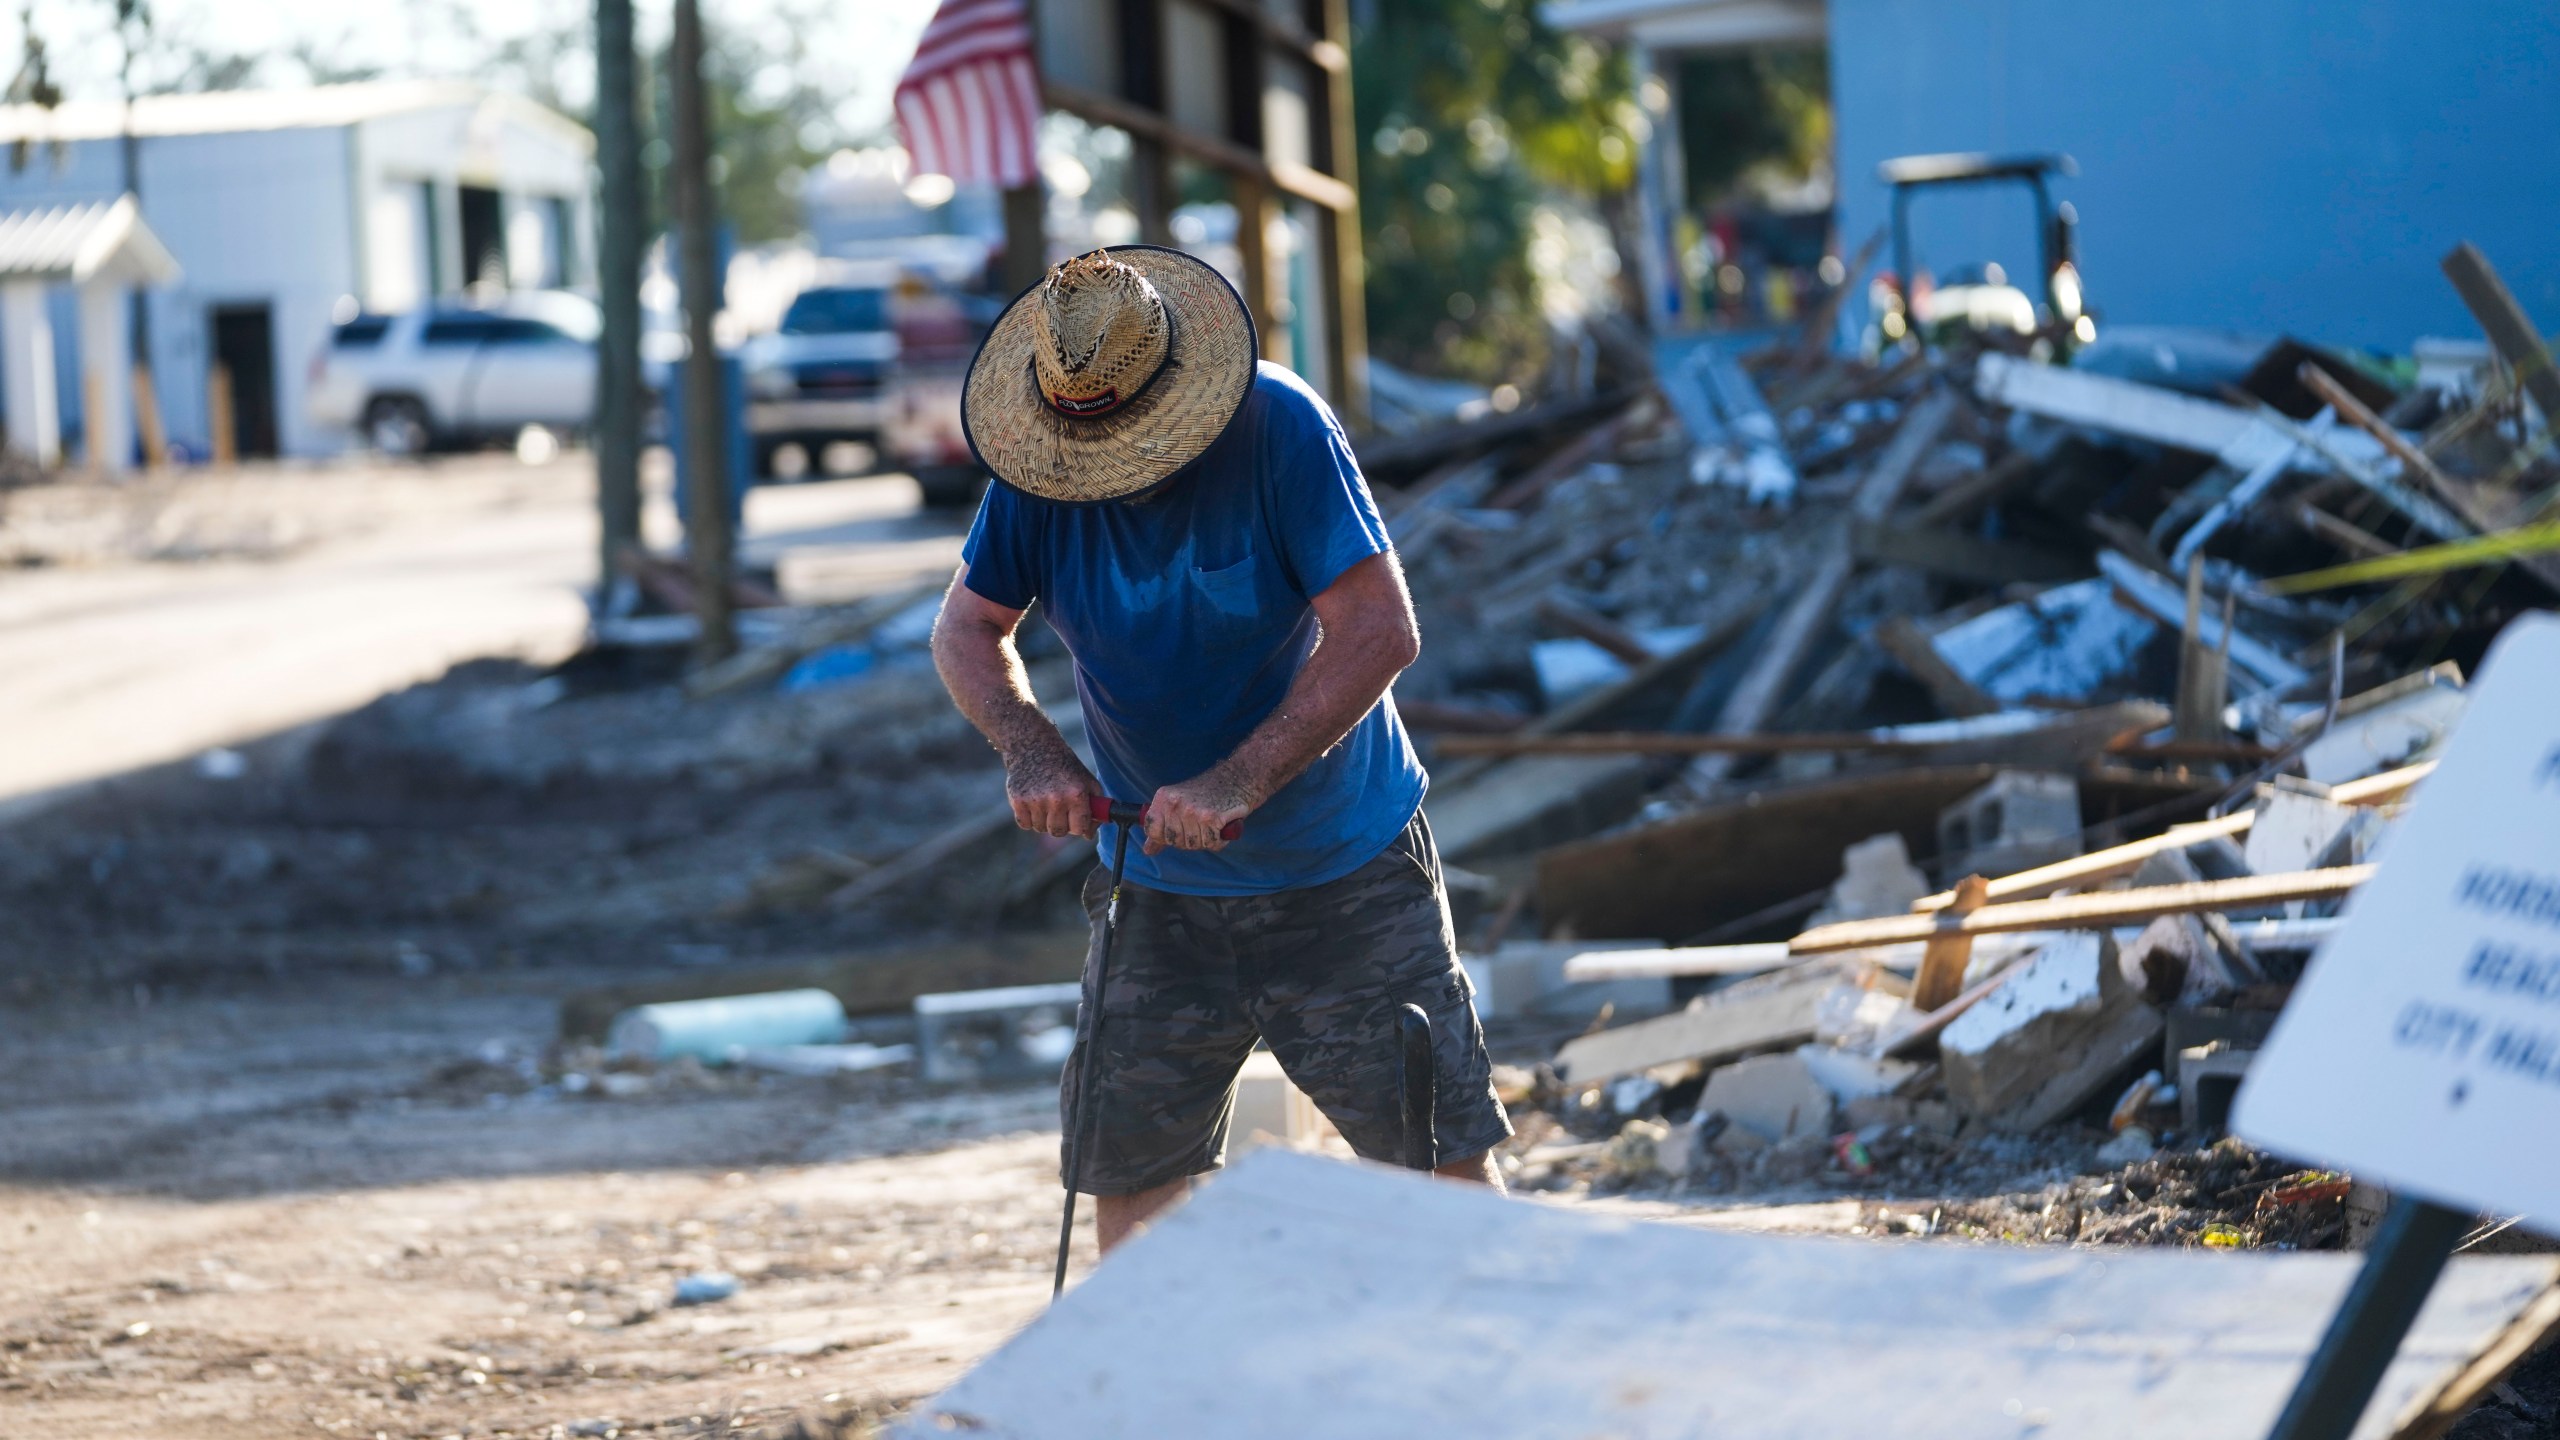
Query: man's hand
[[1193, 814], [1051, 790]]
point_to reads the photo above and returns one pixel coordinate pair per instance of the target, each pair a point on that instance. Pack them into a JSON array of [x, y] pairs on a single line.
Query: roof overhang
[[80, 244], [1676, 25]]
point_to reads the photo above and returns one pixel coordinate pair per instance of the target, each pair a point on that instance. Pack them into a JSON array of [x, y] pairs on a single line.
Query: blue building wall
[[2244, 164]]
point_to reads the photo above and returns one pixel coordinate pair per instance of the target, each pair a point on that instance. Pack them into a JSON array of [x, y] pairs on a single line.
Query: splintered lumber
[[2102, 909], [1901, 639], [2120, 860], [1770, 1013], [1719, 633], [929, 855], [1298, 1295], [2530, 547], [1585, 623], [1801, 626], [2509, 329]]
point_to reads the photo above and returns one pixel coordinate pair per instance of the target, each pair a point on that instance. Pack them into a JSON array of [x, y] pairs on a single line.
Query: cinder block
[[2022, 819]]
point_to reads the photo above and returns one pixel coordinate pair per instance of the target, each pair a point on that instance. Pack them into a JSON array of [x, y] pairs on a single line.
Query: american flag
[[970, 99]]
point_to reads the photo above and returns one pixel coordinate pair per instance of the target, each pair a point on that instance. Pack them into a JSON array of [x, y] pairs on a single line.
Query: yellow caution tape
[[2426, 560]]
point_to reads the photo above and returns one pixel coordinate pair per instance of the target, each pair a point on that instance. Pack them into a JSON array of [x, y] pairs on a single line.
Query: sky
[[860, 44]]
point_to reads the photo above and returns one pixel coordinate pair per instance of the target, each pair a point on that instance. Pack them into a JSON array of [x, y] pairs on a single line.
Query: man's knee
[[1117, 1217], [1476, 1169]]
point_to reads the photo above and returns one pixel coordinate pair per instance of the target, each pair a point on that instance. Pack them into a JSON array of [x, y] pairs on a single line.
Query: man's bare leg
[[1478, 1169], [1117, 1217]]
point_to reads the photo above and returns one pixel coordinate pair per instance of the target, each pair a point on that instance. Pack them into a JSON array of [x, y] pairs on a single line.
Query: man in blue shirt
[[1195, 526]]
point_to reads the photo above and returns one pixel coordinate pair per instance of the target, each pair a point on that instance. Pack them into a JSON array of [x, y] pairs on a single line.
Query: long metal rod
[[1081, 1124], [2408, 1253]]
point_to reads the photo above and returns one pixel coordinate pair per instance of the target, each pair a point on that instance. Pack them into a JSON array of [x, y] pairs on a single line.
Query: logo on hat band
[[1085, 406]]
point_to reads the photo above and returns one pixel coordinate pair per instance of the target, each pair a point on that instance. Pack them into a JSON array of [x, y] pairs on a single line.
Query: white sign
[[2422, 1049]]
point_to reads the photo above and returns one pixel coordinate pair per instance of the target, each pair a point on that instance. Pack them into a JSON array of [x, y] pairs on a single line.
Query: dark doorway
[[244, 346], [484, 239]]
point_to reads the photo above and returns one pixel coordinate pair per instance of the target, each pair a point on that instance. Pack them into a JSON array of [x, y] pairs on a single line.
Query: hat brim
[[1208, 370]]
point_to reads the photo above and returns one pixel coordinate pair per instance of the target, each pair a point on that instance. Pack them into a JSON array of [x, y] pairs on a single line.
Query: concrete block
[[2045, 1041], [2208, 1077], [1269, 1110], [1775, 1097], [1017, 1032], [2022, 819]]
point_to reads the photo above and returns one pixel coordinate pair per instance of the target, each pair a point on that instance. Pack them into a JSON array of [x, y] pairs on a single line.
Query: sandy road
[[306, 1214], [397, 575]]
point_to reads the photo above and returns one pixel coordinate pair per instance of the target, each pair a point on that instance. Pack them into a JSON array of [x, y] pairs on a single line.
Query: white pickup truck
[[452, 374]]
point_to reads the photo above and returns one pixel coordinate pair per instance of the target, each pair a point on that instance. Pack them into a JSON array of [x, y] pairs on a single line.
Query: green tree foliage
[[1466, 109], [1743, 109]]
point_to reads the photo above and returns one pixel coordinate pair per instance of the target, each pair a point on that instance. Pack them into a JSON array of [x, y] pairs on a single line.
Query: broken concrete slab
[[2176, 961], [1849, 1075], [1775, 1097], [2294, 830], [1297, 1296], [1876, 878], [1018, 1032], [1769, 1013], [2049, 1037]]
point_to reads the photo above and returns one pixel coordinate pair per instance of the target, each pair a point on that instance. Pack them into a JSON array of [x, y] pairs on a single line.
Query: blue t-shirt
[[1188, 618]]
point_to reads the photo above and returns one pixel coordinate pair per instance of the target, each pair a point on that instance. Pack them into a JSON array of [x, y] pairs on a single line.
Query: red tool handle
[[1116, 813]]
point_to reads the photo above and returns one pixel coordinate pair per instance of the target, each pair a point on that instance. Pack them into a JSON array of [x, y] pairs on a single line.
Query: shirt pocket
[[1228, 594]]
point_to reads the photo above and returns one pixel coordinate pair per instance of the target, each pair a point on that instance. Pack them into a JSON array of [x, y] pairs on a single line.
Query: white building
[[286, 209]]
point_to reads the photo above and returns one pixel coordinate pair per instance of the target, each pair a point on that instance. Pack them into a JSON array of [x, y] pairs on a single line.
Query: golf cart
[[1976, 304]]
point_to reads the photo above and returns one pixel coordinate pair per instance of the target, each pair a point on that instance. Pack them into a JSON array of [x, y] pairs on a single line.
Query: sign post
[[2422, 1049]]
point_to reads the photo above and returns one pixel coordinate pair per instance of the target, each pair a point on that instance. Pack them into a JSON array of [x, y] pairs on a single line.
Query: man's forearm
[[1339, 683], [984, 673]]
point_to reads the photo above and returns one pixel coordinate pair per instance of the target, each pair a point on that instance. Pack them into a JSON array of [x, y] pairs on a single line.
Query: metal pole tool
[[1080, 1128]]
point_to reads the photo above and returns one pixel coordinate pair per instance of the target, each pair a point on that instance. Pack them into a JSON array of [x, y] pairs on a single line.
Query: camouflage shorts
[[1319, 975]]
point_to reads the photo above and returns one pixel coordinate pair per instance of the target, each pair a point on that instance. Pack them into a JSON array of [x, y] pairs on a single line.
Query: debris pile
[[1972, 748]]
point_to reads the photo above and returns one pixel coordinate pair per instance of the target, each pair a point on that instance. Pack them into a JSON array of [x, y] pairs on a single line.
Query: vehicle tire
[[396, 425], [950, 487]]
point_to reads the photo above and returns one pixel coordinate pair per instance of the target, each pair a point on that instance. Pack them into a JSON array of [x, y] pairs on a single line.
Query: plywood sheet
[[1300, 1297]]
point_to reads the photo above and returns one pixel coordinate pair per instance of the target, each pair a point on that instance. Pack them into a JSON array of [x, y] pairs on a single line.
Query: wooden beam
[[1682, 742], [1919, 659], [2124, 859], [1298, 180], [1943, 964], [2103, 909], [2362, 544], [2509, 329], [1560, 612], [1763, 685]]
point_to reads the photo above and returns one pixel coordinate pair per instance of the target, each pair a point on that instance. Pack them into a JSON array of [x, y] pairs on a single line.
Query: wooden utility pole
[[706, 428], [620, 223]]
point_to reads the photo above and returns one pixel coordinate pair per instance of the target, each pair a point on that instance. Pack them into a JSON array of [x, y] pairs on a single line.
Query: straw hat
[[1108, 376]]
